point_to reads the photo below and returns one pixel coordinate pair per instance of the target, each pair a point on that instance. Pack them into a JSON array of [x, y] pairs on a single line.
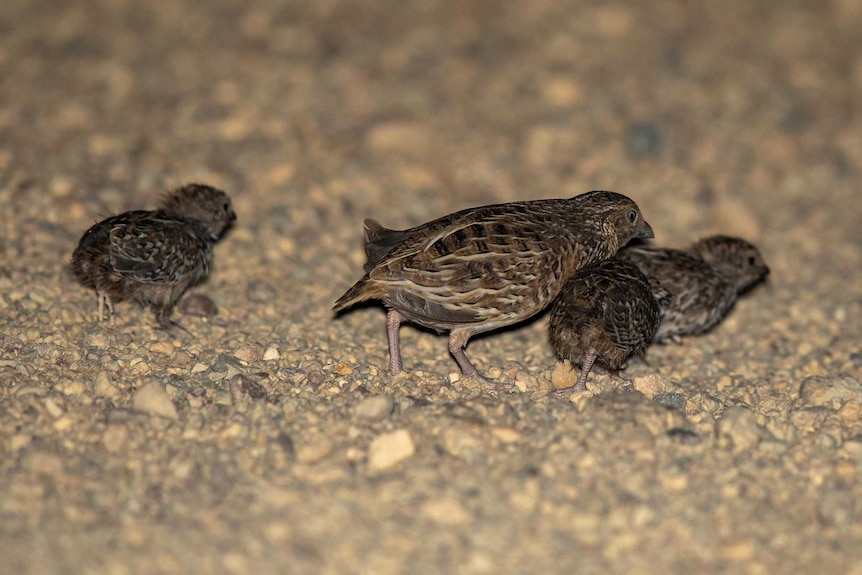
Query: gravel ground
[[272, 440]]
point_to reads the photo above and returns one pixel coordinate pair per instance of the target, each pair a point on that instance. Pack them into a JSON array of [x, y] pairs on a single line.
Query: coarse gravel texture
[[273, 441]]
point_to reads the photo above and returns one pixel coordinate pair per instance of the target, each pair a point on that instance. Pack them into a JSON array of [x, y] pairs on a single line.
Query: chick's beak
[[645, 232]]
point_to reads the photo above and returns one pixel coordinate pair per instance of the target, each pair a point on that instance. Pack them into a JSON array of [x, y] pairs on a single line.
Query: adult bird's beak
[[645, 232]]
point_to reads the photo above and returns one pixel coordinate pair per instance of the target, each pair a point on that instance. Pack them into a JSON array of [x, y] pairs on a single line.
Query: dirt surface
[[273, 440]]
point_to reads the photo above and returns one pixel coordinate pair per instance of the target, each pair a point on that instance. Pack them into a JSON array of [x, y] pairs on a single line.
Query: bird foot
[[170, 325]]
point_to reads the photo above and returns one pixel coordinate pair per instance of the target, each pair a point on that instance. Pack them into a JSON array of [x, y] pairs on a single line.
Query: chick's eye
[[633, 216], [226, 207], [752, 260]]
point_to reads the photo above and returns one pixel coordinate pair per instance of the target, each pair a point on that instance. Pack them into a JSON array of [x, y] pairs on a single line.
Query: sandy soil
[[273, 440]]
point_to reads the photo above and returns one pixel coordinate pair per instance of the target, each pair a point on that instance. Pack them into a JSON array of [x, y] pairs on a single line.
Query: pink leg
[[586, 366], [393, 323], [105, 302], [458, 339]]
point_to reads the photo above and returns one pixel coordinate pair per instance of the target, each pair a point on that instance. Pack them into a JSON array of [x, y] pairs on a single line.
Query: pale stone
[[445, 511], [374, 408], [389, 449], [162, 347], [314, 452], [151, 398], [564, 375]]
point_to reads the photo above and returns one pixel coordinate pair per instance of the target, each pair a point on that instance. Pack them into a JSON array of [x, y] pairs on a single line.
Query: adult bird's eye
[[633, 216]]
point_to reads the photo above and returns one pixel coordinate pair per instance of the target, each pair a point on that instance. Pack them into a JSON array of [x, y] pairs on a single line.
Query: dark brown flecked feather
[[483, 268], [153, 257], [606, 313], [705, 280]]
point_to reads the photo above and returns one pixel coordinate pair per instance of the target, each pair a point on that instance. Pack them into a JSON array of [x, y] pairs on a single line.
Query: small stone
[[375, 408], [564, 375], [850, 412], [162, 347], [226, 366], [278, 532], [151, 398], [314, 452], [445, 511], [53, 409], [248, 353], [271, 353], [102, 386], [199, 305], [738, 551], [651, 385], [389, 449], [526, 381], [199, 367], [737, 429], [342, 369], [114, 438], [675, 482], [74, 387], [63, 423], [506, 434], [223, 398], [98, 340], [830, 391], [672, 400], [242, 385]]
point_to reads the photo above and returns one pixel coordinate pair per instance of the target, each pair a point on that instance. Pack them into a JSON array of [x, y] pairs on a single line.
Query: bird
[[607, 312], [487, 267], [153, 256], [705, 279]]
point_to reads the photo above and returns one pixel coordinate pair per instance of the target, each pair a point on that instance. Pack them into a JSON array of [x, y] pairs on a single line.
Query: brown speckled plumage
[[705, 280], [606, 313], [153, 257], [484, 268]]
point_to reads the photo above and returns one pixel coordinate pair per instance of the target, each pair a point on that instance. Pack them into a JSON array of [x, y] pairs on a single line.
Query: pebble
[[271, 353], [564, 375], [115, 437], [53, 409], [374, 408], [226, 366], [342, 369], [830, 391], [241, 385], [389, 449], [162, 347], [738, 551], [672, 400], [651, 385], [738, 429], [151, 398], [98, 340], [506, 434], [445, 511], [248, 353], [315, 451]]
